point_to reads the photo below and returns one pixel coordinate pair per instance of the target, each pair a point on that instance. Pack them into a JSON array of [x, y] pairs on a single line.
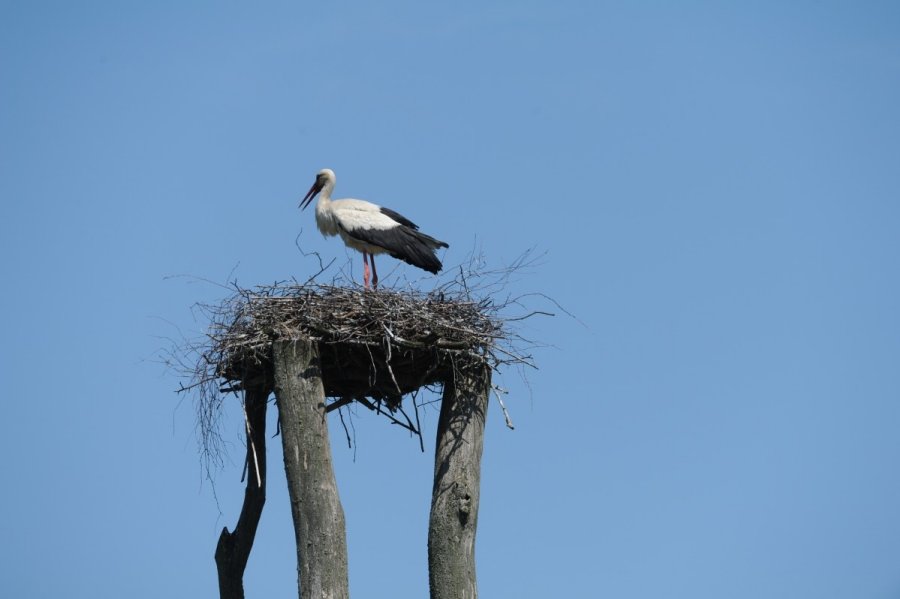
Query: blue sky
[[717, 191]]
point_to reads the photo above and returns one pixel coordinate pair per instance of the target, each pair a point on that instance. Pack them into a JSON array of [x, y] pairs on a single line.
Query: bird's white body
[[371, 229], [338, 217]]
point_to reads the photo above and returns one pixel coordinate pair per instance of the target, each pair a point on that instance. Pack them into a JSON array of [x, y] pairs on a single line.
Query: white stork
[[371, 229]]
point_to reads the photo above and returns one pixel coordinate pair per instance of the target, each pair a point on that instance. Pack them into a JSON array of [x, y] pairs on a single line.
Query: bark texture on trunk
[[233, 548], [457, 479], [316, 508]]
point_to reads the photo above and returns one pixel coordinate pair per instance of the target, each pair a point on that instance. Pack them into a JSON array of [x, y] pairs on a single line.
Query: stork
[[371, 229]]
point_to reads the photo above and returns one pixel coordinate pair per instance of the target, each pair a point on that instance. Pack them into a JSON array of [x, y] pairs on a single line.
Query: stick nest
[[376, 344]]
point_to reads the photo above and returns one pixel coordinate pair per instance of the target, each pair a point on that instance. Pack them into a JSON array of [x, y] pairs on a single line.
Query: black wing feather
[[404, 243], [399, 218]]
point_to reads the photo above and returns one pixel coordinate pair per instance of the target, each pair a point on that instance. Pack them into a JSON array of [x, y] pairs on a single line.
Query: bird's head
[[323, 177]]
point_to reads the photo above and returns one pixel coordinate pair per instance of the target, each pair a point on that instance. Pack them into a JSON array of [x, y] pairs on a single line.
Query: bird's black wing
[[398, 217], [403, 243]]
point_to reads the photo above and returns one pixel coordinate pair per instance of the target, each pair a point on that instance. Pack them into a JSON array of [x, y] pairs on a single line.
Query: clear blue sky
[[716, 187]]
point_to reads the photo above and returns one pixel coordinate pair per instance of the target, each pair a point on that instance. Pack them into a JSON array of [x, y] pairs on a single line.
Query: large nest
[[375, 347], [376, 344]]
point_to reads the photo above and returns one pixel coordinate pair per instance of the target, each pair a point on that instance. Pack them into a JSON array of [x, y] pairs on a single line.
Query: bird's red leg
[[366, 270], [374, 272]]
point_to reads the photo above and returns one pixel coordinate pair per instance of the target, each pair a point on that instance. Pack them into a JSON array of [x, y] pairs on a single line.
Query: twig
[[497, 391], [252, 445], [346, 432]]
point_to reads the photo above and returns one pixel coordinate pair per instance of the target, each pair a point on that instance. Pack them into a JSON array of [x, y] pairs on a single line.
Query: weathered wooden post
[[315, 506], [233, 549], [457, 482]]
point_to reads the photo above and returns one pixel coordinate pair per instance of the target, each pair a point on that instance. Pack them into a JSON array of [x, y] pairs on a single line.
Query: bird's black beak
[[316, 188]]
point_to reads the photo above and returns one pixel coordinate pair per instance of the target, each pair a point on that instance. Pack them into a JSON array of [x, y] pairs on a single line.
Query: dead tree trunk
[[233, 548], [457, 480], [318, 516]]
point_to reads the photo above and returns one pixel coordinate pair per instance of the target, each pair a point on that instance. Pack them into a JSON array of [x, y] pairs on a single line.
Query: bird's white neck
[[324, 200], [325, 194], [325, 220]]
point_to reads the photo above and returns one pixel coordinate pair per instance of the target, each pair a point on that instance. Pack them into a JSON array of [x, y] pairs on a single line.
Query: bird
[[371, 229]]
